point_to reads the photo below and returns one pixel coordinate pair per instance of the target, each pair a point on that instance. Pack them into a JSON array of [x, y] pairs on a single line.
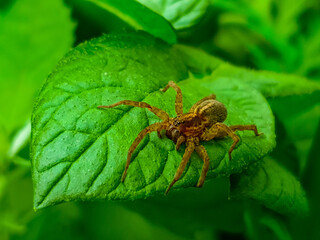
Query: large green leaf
[[29, 33], [79, 151]]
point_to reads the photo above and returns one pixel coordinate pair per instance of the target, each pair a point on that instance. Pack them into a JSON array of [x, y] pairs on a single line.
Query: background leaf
[[72, 138], [192, 210], [271, 35], [28, 51], [272, 185], [299, 121], [270, 84], [181, 14], [310, 179], [138, 17], [34, 35], [263, 224]]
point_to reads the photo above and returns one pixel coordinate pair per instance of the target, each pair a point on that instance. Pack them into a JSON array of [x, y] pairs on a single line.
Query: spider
[[203, 122]]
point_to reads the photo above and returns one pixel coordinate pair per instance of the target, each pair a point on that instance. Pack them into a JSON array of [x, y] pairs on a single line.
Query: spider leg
[[184, 161], [246, 127], [231, 134], [197, 104], [178, 104], [205, 157], [141, 135], [221, 130], [180, 140], [159, 134], [157, 111]]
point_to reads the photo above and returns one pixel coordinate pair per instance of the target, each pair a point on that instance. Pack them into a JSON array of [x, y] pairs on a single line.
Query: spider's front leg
[[219, 130], [157, 111], [185, 159], [178, 104], [153, 127]]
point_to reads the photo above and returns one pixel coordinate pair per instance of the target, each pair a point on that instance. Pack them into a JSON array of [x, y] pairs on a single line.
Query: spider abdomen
[[213, 110]]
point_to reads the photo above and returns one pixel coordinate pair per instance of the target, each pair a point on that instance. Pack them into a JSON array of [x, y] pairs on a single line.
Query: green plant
[[78, 152]]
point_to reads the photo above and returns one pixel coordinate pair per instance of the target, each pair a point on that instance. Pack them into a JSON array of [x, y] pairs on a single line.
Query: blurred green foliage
[[281, 36]]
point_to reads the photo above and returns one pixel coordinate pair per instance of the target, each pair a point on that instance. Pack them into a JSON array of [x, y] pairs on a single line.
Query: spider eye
[[176, 123]]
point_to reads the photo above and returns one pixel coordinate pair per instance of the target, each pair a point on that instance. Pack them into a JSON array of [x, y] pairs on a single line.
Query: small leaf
[[20, 140], [79, 151], [139, 17], [270, 84], [181, 14], [272, 185]]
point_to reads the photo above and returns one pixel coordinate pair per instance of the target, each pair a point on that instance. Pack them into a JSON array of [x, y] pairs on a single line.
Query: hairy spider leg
[[185, 159], [205, 157], [180, 140], [220, 130], [195, 106], [141, 135], [157, 111], [246, 127], [178, 104]]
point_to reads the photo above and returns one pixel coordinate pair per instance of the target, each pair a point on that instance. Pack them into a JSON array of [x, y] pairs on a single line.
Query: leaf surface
[[79, 151]]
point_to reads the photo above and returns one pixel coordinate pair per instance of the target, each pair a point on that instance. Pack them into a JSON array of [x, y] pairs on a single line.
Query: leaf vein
[[64, 173], [99, 171]]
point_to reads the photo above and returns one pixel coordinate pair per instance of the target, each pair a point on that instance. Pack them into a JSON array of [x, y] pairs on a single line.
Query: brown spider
[[203, 122]]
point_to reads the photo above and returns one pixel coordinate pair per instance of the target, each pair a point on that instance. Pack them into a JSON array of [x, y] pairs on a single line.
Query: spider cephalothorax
[[203, 122]]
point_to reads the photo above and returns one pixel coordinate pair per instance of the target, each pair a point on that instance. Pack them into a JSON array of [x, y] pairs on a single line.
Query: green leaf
[[139, 17], [20, 140], [181, 14], [32, 40], [272, 185], [79, 151], [270, 84]]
